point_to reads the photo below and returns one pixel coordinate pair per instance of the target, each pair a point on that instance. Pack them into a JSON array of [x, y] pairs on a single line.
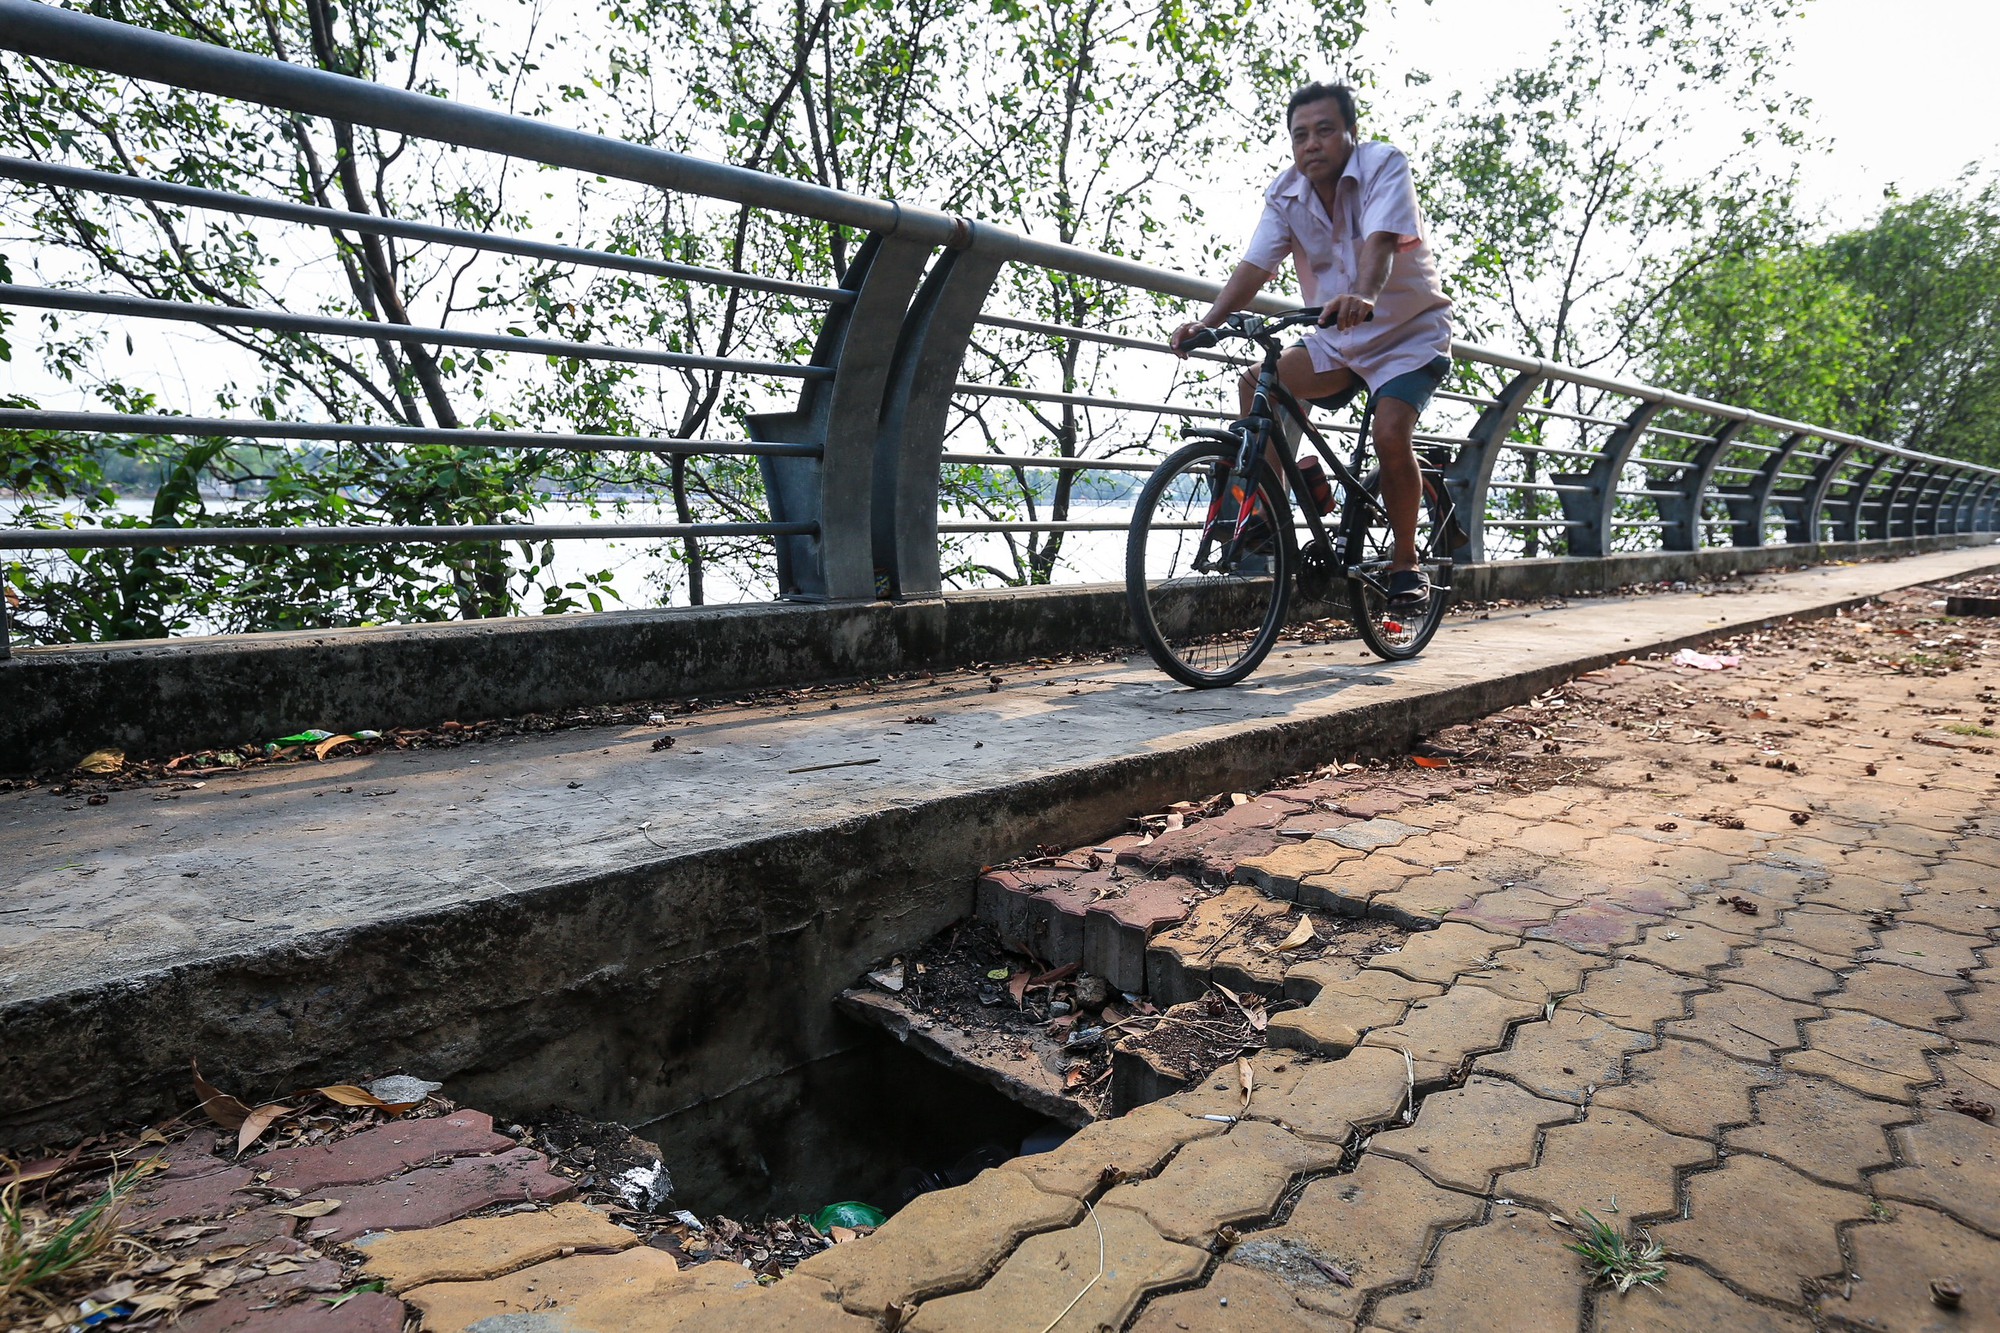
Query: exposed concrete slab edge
[[162, 697], [596, 991]]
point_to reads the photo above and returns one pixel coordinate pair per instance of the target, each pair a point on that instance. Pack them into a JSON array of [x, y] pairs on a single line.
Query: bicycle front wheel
[[1367, 544], [1208, 607]]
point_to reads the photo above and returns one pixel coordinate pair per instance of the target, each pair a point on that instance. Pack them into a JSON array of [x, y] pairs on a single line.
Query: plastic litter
[[1688, 657], [645, 1188], [310, 736], [849, 1214]]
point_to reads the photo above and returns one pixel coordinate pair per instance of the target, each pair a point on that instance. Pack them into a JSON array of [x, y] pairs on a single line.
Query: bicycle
[[1209, 577]]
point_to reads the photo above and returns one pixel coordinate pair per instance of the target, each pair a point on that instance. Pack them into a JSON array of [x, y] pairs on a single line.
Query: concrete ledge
[[162, 696]]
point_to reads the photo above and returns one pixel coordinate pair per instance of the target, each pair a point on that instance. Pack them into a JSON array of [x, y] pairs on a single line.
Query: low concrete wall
[[159, 697]]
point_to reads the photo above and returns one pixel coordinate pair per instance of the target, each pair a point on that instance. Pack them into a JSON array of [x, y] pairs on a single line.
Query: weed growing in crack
[[43, 1255], [1617, 1260]]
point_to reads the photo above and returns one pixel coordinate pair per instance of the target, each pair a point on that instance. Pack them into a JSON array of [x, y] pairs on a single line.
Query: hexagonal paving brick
[[1637, 996], [1278, 872], [1685, 947], [1743, 1021], [1687, 1088], [368, 1312], [1786, 971], [1341, 1012], [1050, 1269], [1512, 1275], [1968, 912], [1820, 1128], [1866, 1053], [485, 1247], [1273, 1074], [1612, 1163], [1511, 911], [1374, 1225], [379, 1153], [1135, 1144], [1791, 1240], [1924, 948], [1440, 1033], [1896, 1262], [1235, 1300], [1690, 1299], [940, 1242], [1462, 1137], [1836, 938], [1597, 927], [1908, 996], [554, 1285], [1213, 941], [1116, 928], [1422, 901], [1330, 1099], [1219, 1182], [709, 1298], [1952, 1164], [191, 1198], [1567, 1057], [1536, 970], [1440, 956], [432, 1195]]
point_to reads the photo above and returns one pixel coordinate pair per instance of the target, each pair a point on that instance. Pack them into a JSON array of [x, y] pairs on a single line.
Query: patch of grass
[[44, 1256], [1617, 1260], [1970, 729]]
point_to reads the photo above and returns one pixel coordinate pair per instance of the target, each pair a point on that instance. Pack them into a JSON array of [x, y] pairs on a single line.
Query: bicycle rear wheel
[[1206, 617], [1367, 544]]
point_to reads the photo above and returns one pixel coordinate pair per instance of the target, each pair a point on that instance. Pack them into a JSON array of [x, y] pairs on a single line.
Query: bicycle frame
[[1252, 458]]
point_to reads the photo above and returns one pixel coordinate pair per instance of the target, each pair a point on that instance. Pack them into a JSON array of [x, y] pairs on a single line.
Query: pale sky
[[1904, 89]]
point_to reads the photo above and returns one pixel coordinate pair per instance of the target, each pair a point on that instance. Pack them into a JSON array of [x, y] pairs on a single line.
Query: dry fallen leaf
[[842, 1235], [1302, 934], [311, 1209], [349, 1095], [222, 1108], [257, 1122], [1246, 1080], [330, 744]]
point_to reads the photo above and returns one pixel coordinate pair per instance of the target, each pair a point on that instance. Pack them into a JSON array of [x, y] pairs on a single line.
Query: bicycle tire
[[1365, 544], [1220, 635]]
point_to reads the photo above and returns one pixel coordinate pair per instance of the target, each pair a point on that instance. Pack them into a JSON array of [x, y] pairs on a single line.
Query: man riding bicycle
[[1347, 214]]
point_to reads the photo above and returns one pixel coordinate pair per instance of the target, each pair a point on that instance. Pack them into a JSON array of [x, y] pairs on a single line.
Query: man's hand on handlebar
[[1346, 311], [1179, 342]]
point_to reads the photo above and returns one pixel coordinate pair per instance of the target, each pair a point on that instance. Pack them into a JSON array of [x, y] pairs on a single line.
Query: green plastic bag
[[850, 1214]]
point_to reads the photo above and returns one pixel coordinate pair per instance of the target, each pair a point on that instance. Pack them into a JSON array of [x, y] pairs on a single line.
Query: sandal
[[1409, 590]]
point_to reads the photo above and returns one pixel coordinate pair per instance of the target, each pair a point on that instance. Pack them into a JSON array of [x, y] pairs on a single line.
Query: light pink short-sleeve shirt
[[1412, 324]]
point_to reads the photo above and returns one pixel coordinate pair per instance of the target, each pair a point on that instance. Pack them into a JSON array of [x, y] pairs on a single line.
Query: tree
[[1931, 267], [169, 253]]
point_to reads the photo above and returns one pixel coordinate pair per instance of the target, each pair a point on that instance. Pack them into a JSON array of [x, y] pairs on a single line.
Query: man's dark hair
[[1339, 94]]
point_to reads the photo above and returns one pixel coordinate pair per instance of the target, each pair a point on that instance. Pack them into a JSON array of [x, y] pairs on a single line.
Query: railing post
[[1749, 503], [1589, 513], [910, 440], [1682, 513], [1802, 527], [6, 621], [1948, 487], [1850, 527], [1984, 507], [1471, 473], [857, 341], [1906, 526]]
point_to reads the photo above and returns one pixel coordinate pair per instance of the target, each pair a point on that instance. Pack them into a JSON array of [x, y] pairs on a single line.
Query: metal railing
[[852, 475]]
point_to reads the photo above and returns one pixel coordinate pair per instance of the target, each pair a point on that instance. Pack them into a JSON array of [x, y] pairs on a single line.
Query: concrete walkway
[[1731, 986]]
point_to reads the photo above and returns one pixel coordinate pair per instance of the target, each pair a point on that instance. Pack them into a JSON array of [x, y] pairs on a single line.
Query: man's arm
[[1243, 284], [1378, 254]]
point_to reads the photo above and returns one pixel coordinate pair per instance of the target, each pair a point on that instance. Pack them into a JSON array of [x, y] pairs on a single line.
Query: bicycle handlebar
[[1254, 326]]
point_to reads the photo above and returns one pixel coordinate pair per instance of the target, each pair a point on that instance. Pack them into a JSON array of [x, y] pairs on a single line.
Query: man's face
[[1321, 141]]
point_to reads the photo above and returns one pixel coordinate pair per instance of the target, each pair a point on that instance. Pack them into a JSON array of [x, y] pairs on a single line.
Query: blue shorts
[[1414, 387]]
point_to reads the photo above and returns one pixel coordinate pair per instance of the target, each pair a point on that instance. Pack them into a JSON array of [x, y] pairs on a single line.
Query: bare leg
[[1402, 483], [1295, 372]]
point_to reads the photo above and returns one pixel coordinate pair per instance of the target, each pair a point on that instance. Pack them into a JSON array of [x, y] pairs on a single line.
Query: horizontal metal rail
[[1097, 336], [1052, 464], [386, 534], [142, 307], [166, 192], [1086, 400], [224, 428]]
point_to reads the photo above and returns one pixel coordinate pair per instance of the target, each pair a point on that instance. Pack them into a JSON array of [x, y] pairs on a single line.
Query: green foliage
[[1779, 330], [1931, 268]]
